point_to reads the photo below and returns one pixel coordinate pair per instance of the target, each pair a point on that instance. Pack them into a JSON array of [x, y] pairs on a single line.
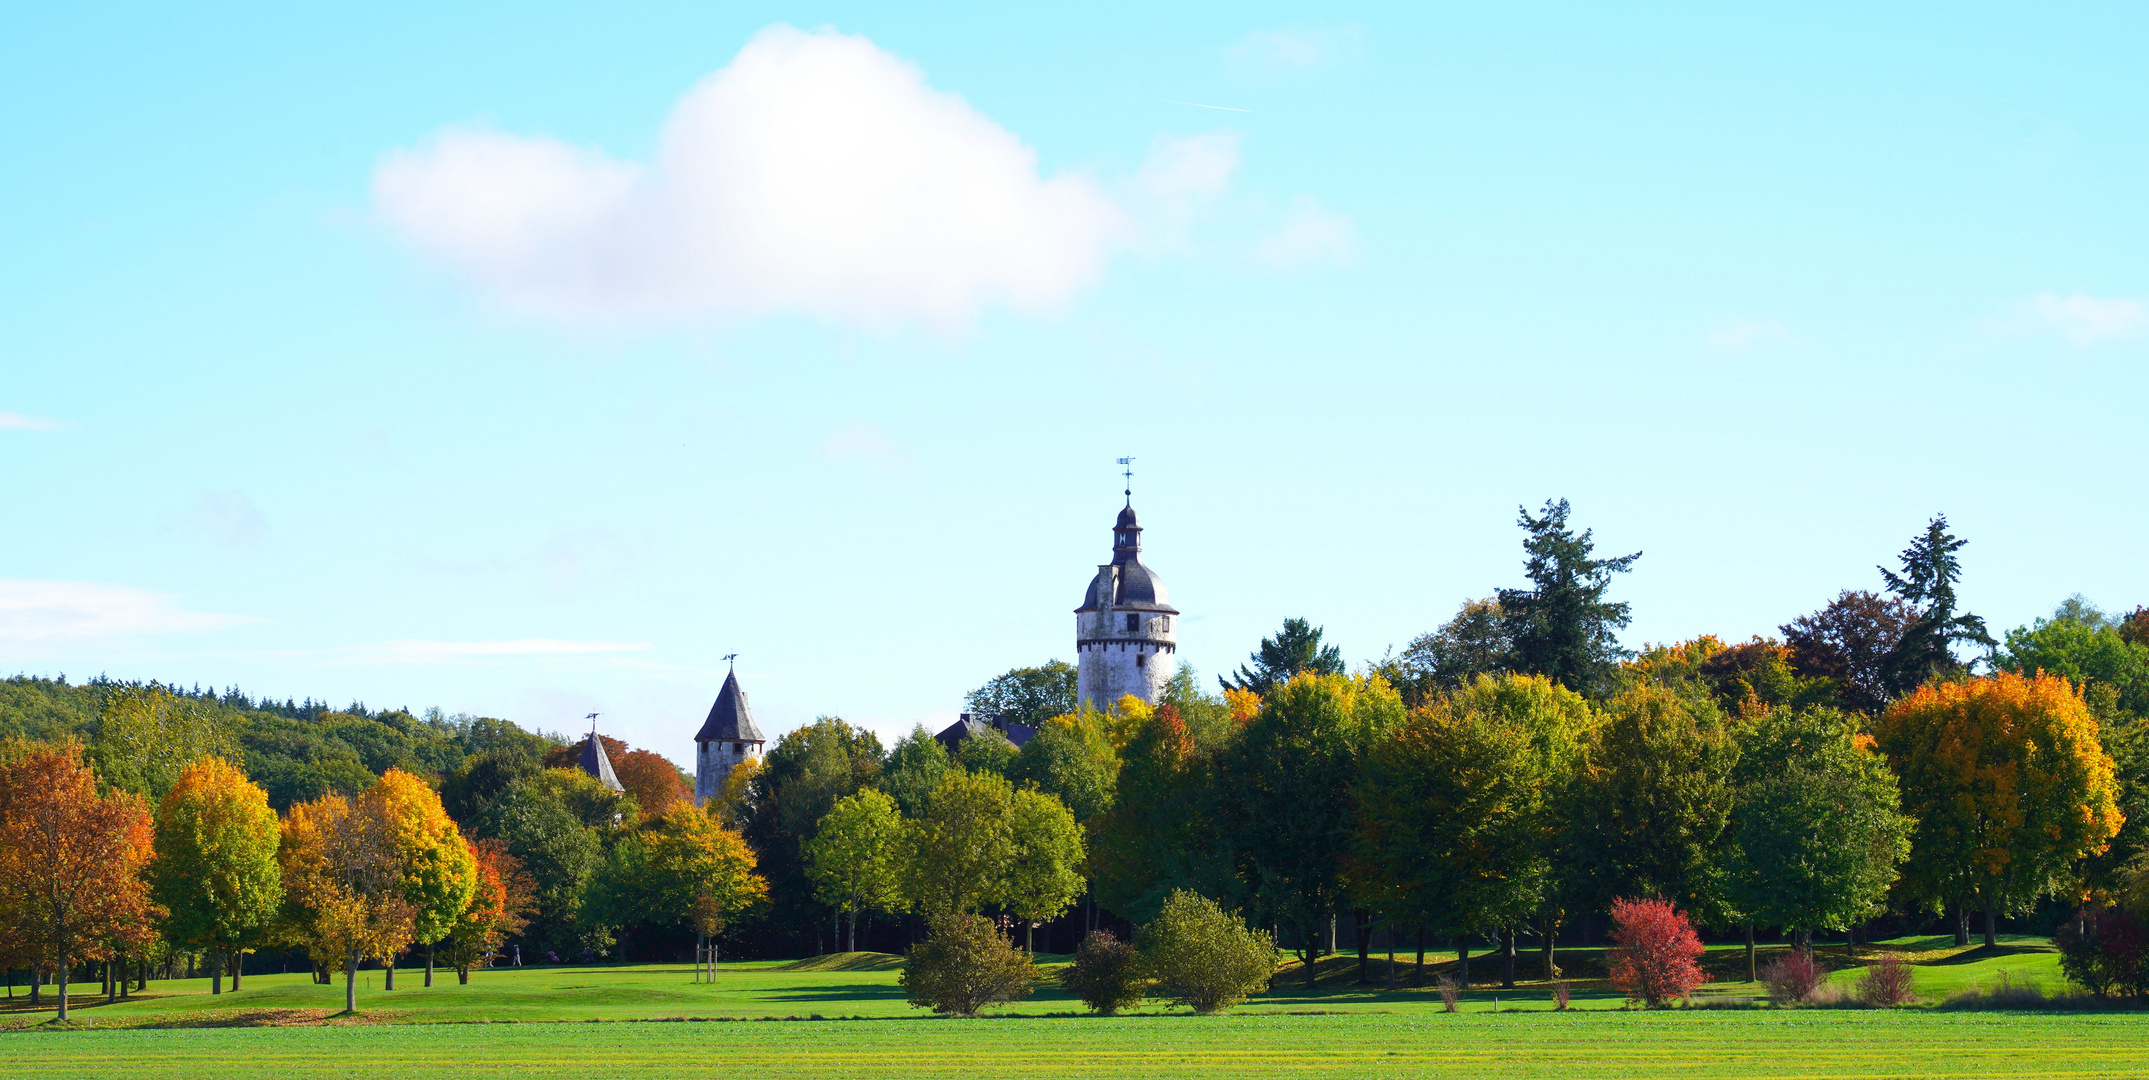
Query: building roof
[[597, 763], [1138, 587], [729, 719], [970, 724]]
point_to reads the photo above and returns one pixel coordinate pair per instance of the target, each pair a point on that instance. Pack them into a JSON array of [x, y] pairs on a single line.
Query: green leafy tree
[[2086, 647], [1071, 758], [800, 780], [1166, 830], [1817, 831], [855, 858], [1044, 869], [1294, 650], [1927, 649], [147, 734], [1562, 627], [1653, 799], [1204, 956], [1475, 642], [557, 849], [1461, 810], [961, 848], [1029, 695], [986, 751], [1292, 774], [913, 770], [215, 870]]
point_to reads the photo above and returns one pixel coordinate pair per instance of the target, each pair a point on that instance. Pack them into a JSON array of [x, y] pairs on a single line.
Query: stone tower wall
[[713, 762], [1114, 661]]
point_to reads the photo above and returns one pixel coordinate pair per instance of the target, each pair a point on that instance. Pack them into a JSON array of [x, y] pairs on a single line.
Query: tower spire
[[1126, 465]]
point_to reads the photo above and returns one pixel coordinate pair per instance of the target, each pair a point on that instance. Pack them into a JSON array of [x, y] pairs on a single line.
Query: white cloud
[[2089, 320], [815, 174], [15, 421], [229, 518], [1309, 234], [866, 443], [1740, 335], [1294, 48], [413, 651], [39, 611]]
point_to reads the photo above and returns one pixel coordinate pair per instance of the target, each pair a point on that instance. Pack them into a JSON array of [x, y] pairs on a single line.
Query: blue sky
[[526, 363]]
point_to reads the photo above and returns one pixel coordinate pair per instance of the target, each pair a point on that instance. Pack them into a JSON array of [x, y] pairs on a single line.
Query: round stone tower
[[1125, 642]]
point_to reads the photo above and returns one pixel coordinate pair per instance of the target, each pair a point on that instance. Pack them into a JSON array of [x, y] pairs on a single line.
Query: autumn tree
[[500, 906], [855, 857], [656, 784], [1653, 798], [1044, 869], [1460, 811], [1291, 777], [1562, 627], [71, 859], [1072, 758], [1927, 648], [439, 870], [1165, 831], [2009, 784], [344, 883], [1848, 642], [215, 870], [1295, 650], [962, 846], [701, 870]]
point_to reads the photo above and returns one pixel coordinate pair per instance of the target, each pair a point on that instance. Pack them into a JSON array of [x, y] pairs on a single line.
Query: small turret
[[727, 740]]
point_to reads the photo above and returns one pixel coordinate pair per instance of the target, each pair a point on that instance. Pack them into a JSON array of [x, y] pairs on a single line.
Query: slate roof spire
[[729, 719], [595, 761]]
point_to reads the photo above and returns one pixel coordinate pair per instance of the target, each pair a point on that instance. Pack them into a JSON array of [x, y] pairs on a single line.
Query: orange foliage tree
[[500, 906], [71, 860], [2009, 783], [343, 883], [653, 780], [438, 868]]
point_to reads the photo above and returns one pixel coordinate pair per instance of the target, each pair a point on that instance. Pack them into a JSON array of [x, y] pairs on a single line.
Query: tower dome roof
[[1126, 518], [1137, 588]]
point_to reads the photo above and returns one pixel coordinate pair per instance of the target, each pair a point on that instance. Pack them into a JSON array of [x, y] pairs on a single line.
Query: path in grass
[[1813, 1044]]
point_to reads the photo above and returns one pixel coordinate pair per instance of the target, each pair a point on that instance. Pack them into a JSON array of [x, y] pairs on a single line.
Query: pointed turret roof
[[597, 763], [729, 719]]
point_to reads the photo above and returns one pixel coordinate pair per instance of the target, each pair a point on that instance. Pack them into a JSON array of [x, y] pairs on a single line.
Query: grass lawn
[[539, 1022]]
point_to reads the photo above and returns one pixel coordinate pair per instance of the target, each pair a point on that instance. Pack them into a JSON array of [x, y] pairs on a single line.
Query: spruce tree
[[1930, 570], [1562, 627]]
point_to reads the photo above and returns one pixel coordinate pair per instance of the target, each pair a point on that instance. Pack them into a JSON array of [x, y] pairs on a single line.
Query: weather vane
[[1127, 470], [732, 659], [592, 718]]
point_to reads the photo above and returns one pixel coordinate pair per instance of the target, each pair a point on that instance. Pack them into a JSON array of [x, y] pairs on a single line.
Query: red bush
[[1653, 951], [1792, 977]]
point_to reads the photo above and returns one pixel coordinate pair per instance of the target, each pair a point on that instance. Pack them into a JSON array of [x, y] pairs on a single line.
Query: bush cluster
[[2105, 951], [1888, 982], [1792, 978], [1654, 949], [1203, 956]]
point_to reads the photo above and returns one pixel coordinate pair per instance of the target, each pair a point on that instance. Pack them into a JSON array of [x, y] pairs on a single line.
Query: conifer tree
[[1927, 648], [1562, 627]]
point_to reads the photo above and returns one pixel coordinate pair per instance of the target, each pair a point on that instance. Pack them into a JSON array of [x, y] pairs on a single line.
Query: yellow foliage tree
[[2009, 783], [439, 869], [343, 884], [215, 870]]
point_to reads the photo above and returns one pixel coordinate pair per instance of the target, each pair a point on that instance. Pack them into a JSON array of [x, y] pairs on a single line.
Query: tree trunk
[[1362, 926], [1331, 949], [1752, 973], [37, 984], [1462, 960], [60, 986], [1417, 976], [1029, 936], [111, 981], [1389, 936], [1992, 920], [350, 981], [1962, 923], [1507, 958], [852, 945], [462, 974], [429, 962], [216, 973], [1551, 933], [238, 968]]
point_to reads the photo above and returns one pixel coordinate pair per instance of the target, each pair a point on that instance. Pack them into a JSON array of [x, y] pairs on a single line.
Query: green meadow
[[845, 1016]]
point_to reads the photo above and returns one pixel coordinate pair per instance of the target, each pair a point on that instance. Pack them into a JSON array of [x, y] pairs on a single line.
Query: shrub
[[1792, 977], [1106, 974], [2104, 949], [965, 964], [1560, 994], [1203, 955], [1887, 982], [1451, 991], [2004, 996], [1653, 951]]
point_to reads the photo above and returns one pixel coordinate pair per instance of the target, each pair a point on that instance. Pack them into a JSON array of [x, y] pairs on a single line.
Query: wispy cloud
[[417, 651], [44, 611], [227, 517], [1309, 234], [863, 443], [15, 421], [1741, 335], [1294, 48], [2090, 320]]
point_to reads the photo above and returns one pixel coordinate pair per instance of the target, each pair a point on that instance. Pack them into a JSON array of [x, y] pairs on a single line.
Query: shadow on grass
[[849, 961]]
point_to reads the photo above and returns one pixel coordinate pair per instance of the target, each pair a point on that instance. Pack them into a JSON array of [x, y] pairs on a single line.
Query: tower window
[[1134, 622], [1141, 659]]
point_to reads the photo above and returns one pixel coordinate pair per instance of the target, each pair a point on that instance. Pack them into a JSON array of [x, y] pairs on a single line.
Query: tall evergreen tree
[[1562, 627], [1294, 650], [1927, 648]]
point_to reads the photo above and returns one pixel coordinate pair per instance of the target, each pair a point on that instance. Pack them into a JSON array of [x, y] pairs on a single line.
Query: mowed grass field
[[845, 1016]]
